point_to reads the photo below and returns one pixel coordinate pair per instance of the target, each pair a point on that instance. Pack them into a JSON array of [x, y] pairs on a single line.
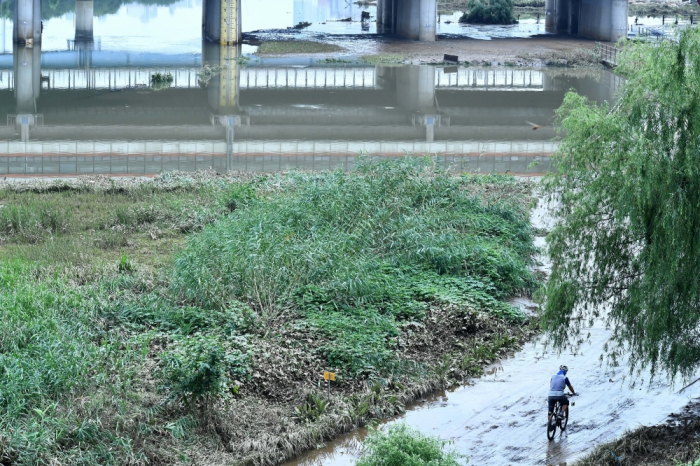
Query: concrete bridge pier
[[27, 69], [222, 21], [410, 19], [385, 16], [604, 20], [223, 88], [416, 19], [83, 19], [26, 28], [415, 91]]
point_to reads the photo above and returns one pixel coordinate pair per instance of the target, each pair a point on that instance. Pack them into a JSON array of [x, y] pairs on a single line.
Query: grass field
[[188, 319]]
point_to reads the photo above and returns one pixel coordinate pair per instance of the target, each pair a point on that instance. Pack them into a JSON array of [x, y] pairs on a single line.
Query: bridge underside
[[604, 20]]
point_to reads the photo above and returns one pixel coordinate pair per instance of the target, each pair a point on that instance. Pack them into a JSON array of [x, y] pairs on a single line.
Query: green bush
[[161, 81], [492, 12], [200, 366], [401, 445]]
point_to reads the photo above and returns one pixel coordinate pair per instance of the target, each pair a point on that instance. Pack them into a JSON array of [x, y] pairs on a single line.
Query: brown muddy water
[[500, 418], [100, 116]]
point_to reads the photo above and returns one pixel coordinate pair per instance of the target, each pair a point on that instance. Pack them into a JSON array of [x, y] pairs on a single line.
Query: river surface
[[93, 112], [500, 418]]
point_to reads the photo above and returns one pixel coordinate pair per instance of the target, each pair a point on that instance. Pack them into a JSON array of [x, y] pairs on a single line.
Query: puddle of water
[[501, 417]]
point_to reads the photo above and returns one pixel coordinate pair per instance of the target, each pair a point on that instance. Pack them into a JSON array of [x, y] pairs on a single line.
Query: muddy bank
[[542, 50], [675, 441]]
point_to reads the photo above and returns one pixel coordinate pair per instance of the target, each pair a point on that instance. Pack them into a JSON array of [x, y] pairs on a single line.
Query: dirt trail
[[500, 419]]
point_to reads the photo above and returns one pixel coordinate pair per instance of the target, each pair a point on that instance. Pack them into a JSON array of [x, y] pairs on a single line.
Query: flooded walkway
[[500, 419]]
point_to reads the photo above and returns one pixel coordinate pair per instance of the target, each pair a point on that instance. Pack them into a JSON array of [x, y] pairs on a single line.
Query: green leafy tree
[[489, 12], [402, 446], [627, 195]]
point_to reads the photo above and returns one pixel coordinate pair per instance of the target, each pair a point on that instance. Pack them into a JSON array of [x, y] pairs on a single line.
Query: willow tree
[[626, 187]]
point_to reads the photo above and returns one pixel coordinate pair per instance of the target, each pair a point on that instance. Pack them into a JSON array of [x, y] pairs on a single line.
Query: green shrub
[[492, 12], [125, 265], [160, 81], [401, 445], [200, 366]]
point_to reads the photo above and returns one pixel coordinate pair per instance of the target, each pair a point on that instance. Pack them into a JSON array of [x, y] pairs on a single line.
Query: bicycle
[[559, 418]]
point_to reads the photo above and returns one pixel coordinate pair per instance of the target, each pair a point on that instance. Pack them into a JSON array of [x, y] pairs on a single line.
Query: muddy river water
[[64, 118], [500, 418]]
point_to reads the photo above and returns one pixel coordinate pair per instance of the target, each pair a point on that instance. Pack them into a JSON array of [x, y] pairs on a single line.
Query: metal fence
[[608, 53]]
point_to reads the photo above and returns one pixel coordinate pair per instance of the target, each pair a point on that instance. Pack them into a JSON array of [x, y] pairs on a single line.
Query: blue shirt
[[557, 384]]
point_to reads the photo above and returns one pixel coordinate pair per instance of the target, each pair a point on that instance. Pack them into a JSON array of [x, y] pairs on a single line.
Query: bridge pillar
[[222, 21], [619, 15], [416, 19], [26, 28], [561, 8], [549, 16], [386, 16], [83, 19], [415, 91], [224, 86], [27, 68]]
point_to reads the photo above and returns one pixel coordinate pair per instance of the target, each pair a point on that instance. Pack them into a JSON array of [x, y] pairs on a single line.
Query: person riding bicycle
[[556, 390]]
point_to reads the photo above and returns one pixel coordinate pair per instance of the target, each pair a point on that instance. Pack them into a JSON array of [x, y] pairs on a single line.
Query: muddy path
[[516, 51], [500, 418]]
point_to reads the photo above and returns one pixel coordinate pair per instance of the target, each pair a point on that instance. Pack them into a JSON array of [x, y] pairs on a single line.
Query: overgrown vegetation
[[384, 59], [576, 58], [114, 352], [489, 12], [401, 445], [296, 46], [161, 81], [627, 186]]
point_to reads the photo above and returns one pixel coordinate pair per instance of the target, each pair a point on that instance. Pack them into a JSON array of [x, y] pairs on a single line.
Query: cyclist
[[556, 391]]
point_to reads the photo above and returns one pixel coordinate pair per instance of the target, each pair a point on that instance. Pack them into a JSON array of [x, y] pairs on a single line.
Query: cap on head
[[563, 368]]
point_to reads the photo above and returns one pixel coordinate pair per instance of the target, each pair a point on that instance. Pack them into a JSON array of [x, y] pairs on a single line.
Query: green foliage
[[493, 12], [33, 222], [311, 409], [355, 253], [161, 81], [49, 351], [689, 463], [200, 366], [401, 445], [627, 193], [237, 195], [125, 265]]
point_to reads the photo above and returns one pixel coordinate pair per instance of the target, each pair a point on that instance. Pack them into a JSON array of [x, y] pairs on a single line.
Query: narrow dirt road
[[500, 419]]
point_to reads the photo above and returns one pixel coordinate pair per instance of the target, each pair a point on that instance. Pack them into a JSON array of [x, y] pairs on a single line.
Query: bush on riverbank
[[402, 446], [490, 12], [113, 353]]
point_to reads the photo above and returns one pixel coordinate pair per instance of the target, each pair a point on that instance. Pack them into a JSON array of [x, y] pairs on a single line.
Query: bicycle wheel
[[564, 421], [552, 423]]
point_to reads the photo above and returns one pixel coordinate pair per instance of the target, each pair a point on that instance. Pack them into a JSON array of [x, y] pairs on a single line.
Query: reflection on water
[[90, 111]]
